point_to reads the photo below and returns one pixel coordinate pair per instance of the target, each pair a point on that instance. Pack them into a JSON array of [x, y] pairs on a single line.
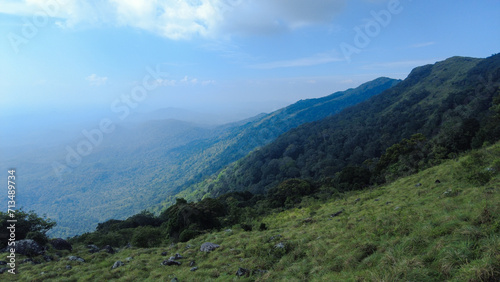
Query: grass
[[447, 231]]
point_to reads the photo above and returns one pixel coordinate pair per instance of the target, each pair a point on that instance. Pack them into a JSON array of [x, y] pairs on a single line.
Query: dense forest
[[440, 121]]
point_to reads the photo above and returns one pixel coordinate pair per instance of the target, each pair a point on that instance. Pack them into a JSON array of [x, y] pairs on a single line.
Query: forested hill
[[448, 102], [205, 157]]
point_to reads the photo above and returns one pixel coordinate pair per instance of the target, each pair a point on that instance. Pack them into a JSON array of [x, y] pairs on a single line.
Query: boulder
[[177, 256], [28, 247], [208, 247], [242, 272], [93, 249], [61, 244], [74, 258], [170, 262], [280, 245], [108, 249], [117, 264], [337, 213], [68, 266], [193, 268]]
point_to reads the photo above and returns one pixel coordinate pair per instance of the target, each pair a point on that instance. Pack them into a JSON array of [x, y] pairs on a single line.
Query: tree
[[27, 222]]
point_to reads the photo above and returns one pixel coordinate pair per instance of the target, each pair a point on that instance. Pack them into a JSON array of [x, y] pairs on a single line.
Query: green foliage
[[289, 193], [27, 223], [475, 168], [39, 237], [146, 237], [436, 113]]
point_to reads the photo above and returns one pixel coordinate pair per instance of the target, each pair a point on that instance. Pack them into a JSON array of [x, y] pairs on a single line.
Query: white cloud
[[176, 19], [95, 80]]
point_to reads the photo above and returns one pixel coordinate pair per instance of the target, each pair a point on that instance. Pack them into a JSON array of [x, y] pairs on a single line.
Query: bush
[[188, 234], [38, 237], [146, 237]]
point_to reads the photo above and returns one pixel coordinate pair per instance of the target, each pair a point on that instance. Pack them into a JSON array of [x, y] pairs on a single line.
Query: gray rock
[[242, 272], [280, 245], [74, 258], [108, 249], [192, 263], [61, 244], [48, 258], [93, 249], [174, 279], [68, 267], [275, 237], [3, 262], [129, 258], [177, 256], [164, 253], [4, 269], [27, 247], [170, 262], [357, 200], [117, 264], [208, 247], [418, 184], [337, 213], [193, 268]]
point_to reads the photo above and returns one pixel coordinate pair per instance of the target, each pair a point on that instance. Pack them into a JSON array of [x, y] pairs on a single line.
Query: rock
[[74, 258], [192, 263], [48, 258], [117, 264], [108, 249], [275, 237], [437, 181], [128, 246], [129, 258], [163, 253], [418, 184], [3, 262], [170, 262], [4, 269], [27, 260], [93, 249], [388, 203], [376, 200], [228, 230], [336, 214], [280, 245], [193, 268], [357, 200], [242, 272], [397, 208], [177, 256], [208, 247], [28, 247], [68, 266], [174, 279], [61, 244]]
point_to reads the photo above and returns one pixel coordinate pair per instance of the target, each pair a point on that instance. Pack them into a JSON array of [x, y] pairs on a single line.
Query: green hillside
[[413, 229], [448, 103], [142, 164]]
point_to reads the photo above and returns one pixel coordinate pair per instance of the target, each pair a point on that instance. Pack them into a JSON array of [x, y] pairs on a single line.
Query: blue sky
[[223, 55]]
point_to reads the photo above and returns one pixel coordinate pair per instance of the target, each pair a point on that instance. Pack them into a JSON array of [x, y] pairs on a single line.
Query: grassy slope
[[400, 231]]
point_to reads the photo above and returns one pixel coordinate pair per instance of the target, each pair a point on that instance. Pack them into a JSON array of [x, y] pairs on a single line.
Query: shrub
[[146, 237], [38, 237]]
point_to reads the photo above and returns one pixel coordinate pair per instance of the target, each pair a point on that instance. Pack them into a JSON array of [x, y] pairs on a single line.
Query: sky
[[245, 56]]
